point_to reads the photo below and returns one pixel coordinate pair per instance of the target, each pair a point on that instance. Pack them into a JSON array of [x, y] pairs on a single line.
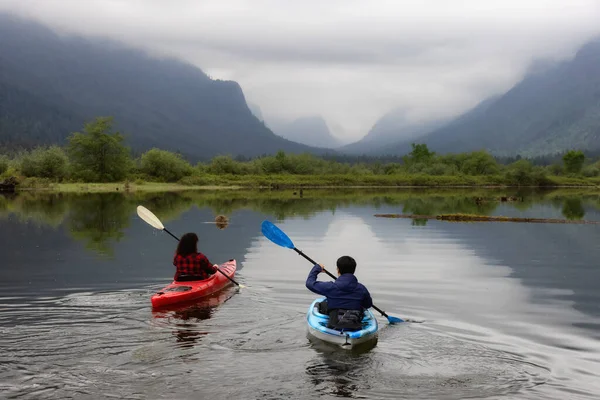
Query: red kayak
[[178, 292]]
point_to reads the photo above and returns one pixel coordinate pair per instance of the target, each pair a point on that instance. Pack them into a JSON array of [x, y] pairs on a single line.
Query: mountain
[[391, 128], [50, 85], [554, 108], [255, 109], [311, 131]]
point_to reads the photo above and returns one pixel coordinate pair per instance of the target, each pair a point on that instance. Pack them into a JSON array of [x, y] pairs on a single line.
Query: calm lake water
[[510, 310]]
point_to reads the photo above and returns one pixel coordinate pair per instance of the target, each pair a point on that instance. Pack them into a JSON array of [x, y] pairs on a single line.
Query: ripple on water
[[410, 362], [95, 345]]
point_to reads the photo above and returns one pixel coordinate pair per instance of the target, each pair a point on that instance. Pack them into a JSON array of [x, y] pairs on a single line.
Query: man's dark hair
[[346, 265]]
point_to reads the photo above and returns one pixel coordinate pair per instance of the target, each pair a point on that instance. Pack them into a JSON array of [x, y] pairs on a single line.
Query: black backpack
[[347, 320]]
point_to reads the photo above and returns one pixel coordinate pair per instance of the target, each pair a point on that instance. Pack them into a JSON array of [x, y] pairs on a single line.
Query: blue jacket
[[345, 292]]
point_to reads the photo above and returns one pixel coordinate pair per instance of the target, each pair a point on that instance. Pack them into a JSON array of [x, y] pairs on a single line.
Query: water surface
[[510, 310]]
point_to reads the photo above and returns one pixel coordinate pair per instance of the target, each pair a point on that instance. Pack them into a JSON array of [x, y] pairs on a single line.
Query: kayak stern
[[317, 328], [177, 292]]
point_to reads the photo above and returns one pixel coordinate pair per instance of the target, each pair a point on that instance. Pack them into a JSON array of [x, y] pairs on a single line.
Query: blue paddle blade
[[394, 320], [276, 235]]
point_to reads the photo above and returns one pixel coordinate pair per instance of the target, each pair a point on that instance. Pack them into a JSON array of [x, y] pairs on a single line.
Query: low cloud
[[349, 61]]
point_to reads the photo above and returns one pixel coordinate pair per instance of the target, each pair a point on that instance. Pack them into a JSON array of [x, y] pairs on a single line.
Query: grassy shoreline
[[119, 187], [233, 182]]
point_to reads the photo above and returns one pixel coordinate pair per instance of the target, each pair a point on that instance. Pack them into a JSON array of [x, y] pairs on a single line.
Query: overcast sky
[[349, 61]]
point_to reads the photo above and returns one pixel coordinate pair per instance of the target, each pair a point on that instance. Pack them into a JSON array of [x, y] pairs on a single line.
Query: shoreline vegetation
[[286, 182], [97, 160]]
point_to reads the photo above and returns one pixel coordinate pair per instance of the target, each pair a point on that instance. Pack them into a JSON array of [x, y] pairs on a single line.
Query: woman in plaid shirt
[[191, 265]]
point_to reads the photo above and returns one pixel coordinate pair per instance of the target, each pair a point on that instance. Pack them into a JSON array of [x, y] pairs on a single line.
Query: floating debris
[[485, 218], [221, 221]]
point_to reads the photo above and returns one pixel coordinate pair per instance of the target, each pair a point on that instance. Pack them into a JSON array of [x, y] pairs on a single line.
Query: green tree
[[420, 154], [437, 169], [591, 170], [3, 164], [522, 173], [165, 165], [98, 154], [573, 161], [556, 169], [224, 165], [391, 168], [45, 163], [480, 163]]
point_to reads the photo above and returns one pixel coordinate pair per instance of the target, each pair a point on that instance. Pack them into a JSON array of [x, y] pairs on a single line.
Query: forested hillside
[[50, 85]]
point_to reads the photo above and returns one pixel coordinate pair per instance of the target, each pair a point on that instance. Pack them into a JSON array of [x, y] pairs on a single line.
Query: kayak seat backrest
[[188, 278]]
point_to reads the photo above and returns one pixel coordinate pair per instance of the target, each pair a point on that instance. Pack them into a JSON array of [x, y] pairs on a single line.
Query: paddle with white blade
[[277, 236], [153, 221]]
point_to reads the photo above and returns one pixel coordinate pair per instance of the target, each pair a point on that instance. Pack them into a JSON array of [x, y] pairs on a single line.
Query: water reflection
[[431, 272], [48, 210], [4, 200], [187, 333], [188, 318], [573, 209], [100, 220], [338, 374], [447, 204], [419, 221], [502, 302]]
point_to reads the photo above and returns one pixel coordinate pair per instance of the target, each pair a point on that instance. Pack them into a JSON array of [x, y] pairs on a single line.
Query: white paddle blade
[[149, 217]]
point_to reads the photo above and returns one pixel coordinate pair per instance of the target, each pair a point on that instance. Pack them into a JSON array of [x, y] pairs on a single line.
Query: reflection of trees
[[49, 209], [441, 205], [419, 222], [573, 209], [99, 219], [166, 205], [285, 208], [284, 204], [280, 208], [4, 199], [40, 208]]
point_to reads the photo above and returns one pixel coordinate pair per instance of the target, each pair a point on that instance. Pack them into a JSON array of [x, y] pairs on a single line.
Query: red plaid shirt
[[193, 264]]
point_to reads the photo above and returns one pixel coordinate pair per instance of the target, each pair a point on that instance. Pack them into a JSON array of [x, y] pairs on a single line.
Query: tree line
[[98, 154]]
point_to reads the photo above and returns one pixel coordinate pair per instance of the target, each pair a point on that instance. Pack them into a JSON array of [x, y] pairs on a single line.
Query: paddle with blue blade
[[152, 220], [277, 236]]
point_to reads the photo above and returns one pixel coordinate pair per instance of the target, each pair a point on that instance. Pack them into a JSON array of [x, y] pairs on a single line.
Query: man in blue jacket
[[347, 299]]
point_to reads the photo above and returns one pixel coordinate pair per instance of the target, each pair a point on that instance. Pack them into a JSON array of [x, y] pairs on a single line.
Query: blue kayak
[[317, 328]]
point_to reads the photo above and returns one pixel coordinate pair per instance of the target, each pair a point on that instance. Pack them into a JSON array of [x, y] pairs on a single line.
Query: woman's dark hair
[[346, 265], [188, 244]]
